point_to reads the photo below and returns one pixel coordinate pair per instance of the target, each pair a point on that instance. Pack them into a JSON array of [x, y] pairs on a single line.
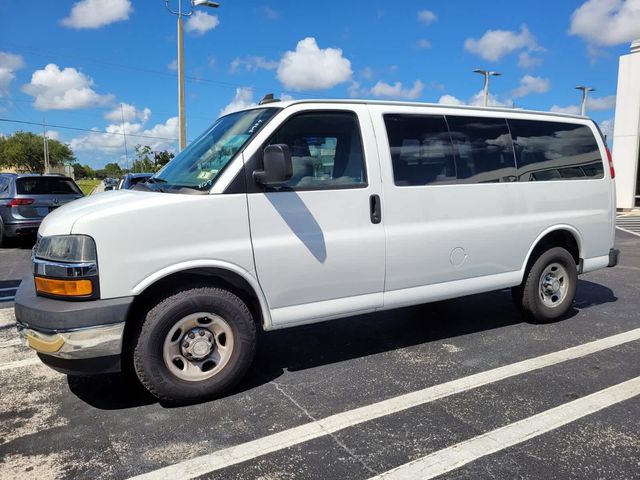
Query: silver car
[[25, 199]]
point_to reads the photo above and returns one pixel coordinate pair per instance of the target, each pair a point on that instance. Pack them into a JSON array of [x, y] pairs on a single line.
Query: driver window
[[326, 150]]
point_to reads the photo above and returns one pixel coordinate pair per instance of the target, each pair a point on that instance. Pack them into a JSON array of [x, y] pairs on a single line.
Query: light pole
[[585, 94], [182, 132], [486, 74]]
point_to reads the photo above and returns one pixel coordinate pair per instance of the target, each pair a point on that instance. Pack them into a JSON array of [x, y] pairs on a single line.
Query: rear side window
[[4, 186], [555, 151], [421, 150], [46, 186], [326, 150], [483, 149]]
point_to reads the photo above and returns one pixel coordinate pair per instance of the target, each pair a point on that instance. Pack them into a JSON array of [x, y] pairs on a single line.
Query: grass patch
[[87, 185]]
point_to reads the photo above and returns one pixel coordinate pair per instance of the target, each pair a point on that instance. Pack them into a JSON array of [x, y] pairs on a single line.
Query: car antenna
[[268, 98]]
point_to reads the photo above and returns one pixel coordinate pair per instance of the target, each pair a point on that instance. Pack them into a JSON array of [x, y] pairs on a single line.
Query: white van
[[297, 212]]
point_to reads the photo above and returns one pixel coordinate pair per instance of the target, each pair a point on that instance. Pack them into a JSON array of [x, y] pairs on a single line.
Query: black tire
[[149, 342], [1, 233], [529, 295]]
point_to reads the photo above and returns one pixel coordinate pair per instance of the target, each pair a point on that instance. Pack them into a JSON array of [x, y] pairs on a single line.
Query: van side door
[[319, 250], [448, 184]]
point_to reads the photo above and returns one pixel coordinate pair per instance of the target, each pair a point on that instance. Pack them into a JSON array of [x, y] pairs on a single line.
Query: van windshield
[[199, 165]]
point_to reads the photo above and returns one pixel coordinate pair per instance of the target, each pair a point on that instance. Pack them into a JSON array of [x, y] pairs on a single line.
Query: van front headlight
[[66, 266]]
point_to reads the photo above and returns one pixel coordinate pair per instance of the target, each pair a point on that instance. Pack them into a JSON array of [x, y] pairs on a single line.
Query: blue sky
[[74, 63]]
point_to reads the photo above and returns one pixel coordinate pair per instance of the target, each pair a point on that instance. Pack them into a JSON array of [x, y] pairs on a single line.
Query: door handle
[[374, 209]]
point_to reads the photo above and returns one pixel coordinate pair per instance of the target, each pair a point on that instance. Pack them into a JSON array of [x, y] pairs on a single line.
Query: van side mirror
[[277, 167]]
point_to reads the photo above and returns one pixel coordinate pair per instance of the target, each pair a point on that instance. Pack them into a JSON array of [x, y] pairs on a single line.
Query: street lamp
[[182, 132], [486, 74], [585, 94]]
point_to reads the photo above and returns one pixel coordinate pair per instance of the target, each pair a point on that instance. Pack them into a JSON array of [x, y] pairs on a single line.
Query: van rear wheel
[[549, 288], [194, 345]]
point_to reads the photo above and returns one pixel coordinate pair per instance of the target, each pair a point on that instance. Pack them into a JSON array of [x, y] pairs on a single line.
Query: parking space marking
[[20, 364], [227, 457], [460, 454]]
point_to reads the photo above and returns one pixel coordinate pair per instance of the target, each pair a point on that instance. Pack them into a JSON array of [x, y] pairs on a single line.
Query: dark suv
[[25, 199]]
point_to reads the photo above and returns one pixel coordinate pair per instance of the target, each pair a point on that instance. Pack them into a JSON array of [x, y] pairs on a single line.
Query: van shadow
[[311, 346], [300, 220]]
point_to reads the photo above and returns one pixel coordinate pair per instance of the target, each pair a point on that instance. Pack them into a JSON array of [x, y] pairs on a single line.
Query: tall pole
[[182, 133], [45, 147], [124, 136], [182, 118], [585, 94], [485, 90]]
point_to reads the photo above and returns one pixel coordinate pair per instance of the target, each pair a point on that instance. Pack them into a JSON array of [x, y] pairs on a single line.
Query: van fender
[[571, 229], [219, 264]]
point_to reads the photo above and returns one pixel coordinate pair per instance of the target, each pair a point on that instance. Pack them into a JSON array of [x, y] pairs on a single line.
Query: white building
[[626, 135]]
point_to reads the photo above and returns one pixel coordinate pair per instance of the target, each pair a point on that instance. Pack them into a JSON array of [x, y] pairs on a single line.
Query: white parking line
[[278, 441], [460, 454], [20, 364], [629, 231]]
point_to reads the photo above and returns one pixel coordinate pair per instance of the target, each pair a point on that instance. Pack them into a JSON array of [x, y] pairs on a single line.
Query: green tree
[[83, 171], [112, 170], [24, 151], [148, 160]]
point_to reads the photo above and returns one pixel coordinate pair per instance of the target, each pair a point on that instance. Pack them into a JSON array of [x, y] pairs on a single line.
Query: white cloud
[[312, 68], [112, 138], [571, 109], [530, 84], [201, 22], [607, 128], [97, 13], [450, 100], [601, 103], [252, 63], [130, 113], [9, 63], [270, 13], [526, 61], [422, 43], [427, 16], [68, 89], [607, 22], [383, 89], [242, 99], [478, 100], [285, 97], [173, 65], [53, 135], [593, 104], [495, 44], [367, 73]]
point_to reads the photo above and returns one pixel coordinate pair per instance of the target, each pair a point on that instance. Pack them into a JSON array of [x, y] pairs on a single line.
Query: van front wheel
[[194, 345], [549, 288]]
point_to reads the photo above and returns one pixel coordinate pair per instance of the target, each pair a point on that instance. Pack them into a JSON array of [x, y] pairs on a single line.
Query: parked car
[[298, 212], [132, 179], [25, 199]]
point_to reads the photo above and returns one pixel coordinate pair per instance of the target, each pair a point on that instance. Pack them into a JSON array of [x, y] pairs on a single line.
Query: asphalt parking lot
[[462, 389]]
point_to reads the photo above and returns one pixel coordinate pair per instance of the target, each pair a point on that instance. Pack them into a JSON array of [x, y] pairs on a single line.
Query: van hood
[[100, 206]]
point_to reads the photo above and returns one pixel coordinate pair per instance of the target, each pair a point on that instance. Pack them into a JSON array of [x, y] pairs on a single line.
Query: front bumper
[[72, 336]]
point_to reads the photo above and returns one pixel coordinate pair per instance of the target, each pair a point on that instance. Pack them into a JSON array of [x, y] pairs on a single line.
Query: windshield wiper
[[155, 180]]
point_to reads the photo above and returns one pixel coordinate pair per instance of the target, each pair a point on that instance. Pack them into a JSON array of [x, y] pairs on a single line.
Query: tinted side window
[[4, 186], [326, 150], [483, 149], [421, 150], [555, 151]]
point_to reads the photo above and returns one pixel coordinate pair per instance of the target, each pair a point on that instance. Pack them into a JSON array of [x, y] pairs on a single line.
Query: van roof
[[289, 103]]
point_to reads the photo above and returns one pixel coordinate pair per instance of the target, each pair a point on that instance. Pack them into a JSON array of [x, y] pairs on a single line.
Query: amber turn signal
[[64, 288]]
